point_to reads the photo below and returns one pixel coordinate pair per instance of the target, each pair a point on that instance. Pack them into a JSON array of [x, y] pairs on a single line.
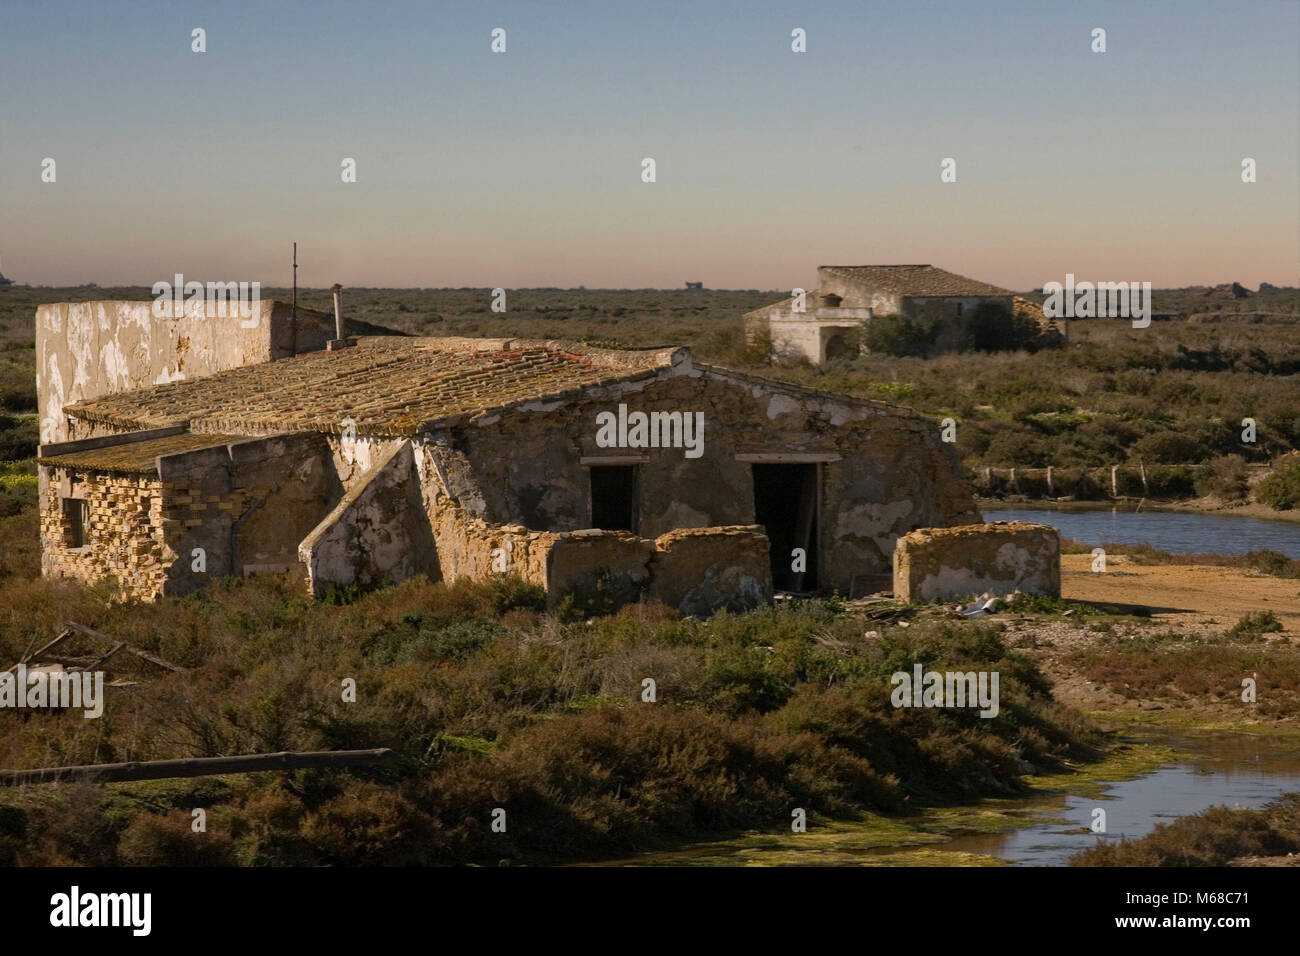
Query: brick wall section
[[246, 504], [1000, 557], [122, 539]]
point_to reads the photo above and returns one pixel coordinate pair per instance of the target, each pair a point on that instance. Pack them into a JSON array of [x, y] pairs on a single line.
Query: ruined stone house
[[848, 297], [183, 448]]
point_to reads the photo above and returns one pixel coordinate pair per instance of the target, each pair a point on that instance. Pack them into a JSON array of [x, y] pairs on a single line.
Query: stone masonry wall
[[698, 570], [885, 471], [247, 505], [1001, 557]]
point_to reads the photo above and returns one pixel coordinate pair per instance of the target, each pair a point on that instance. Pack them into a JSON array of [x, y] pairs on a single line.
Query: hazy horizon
[[523, 169]]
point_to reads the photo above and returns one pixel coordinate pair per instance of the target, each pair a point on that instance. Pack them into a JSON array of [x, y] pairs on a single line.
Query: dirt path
[[1200, 597]]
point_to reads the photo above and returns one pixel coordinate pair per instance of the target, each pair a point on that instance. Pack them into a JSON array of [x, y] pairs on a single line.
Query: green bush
[[994, 328], [1254, 624], [1169, 447], [1213, 837], [1223, 477], [1281, 489], [898, 335]]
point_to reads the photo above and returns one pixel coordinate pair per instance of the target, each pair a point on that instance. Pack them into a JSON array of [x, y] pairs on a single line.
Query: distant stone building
[[458, 458], [847, 297]]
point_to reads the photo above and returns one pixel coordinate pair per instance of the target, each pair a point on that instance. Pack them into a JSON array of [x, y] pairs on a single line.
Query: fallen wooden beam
[[199, 766], [63, 635], [124, 646]]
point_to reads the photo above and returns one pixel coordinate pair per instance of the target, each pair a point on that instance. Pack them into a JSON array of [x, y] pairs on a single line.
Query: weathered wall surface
[[377, 533], [86, 349], [123, 534], [700, 570], [1001, 557], [353, 457], [885, 471], [200, 505], [696, 571], [288, 484], [854, 295], [591, 561], [813, 337], [247, 505]]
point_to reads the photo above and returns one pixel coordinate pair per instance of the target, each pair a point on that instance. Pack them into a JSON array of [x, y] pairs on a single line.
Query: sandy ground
[[1198, 597]]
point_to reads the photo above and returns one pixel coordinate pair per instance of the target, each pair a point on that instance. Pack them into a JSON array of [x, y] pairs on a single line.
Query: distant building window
[[146, 504], [76, 511], [831, 300], [959, 308]]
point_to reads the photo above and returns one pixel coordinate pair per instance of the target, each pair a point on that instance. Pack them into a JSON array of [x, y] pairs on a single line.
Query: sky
[[524, 168]]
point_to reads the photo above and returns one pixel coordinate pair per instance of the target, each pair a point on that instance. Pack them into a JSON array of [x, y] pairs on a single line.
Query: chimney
[[340, 340]]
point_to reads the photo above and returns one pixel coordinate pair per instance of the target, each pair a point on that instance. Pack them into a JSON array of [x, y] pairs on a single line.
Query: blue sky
[[523, 168]]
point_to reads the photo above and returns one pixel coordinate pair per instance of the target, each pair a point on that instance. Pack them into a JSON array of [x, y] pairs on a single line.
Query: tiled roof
[[920, 280], [135, 457], [388, 386]]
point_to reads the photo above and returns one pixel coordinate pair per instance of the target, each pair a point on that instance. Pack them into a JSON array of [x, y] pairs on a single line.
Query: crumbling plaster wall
[[698, 570], [885, 470], [1001, 557], [87, 349], [694, 570], [377, 533], [856, 295]]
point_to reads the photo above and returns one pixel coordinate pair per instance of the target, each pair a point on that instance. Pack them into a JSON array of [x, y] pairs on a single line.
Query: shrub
[[1254, 624], [898, 335], [368, 825], [1211, 838], [1168, 447], [1223, 477], [993, 328], [1281, 489], [153, 839]]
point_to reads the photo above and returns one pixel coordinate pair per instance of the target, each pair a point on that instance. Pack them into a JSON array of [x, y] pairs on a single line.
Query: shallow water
[[1231, 769], [1177, 531], [1238, 770]]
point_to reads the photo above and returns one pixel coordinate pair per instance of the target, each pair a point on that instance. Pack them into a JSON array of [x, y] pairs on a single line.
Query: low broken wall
[[1001, 557], [698, 570], [593, 560]]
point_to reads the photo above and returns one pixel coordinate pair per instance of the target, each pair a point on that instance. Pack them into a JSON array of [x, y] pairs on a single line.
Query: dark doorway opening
[[785, 503], [613, 497]]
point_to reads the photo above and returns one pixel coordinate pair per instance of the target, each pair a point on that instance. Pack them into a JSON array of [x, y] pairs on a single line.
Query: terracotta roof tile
[[919, 280], [387, 386], [135, 457]]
